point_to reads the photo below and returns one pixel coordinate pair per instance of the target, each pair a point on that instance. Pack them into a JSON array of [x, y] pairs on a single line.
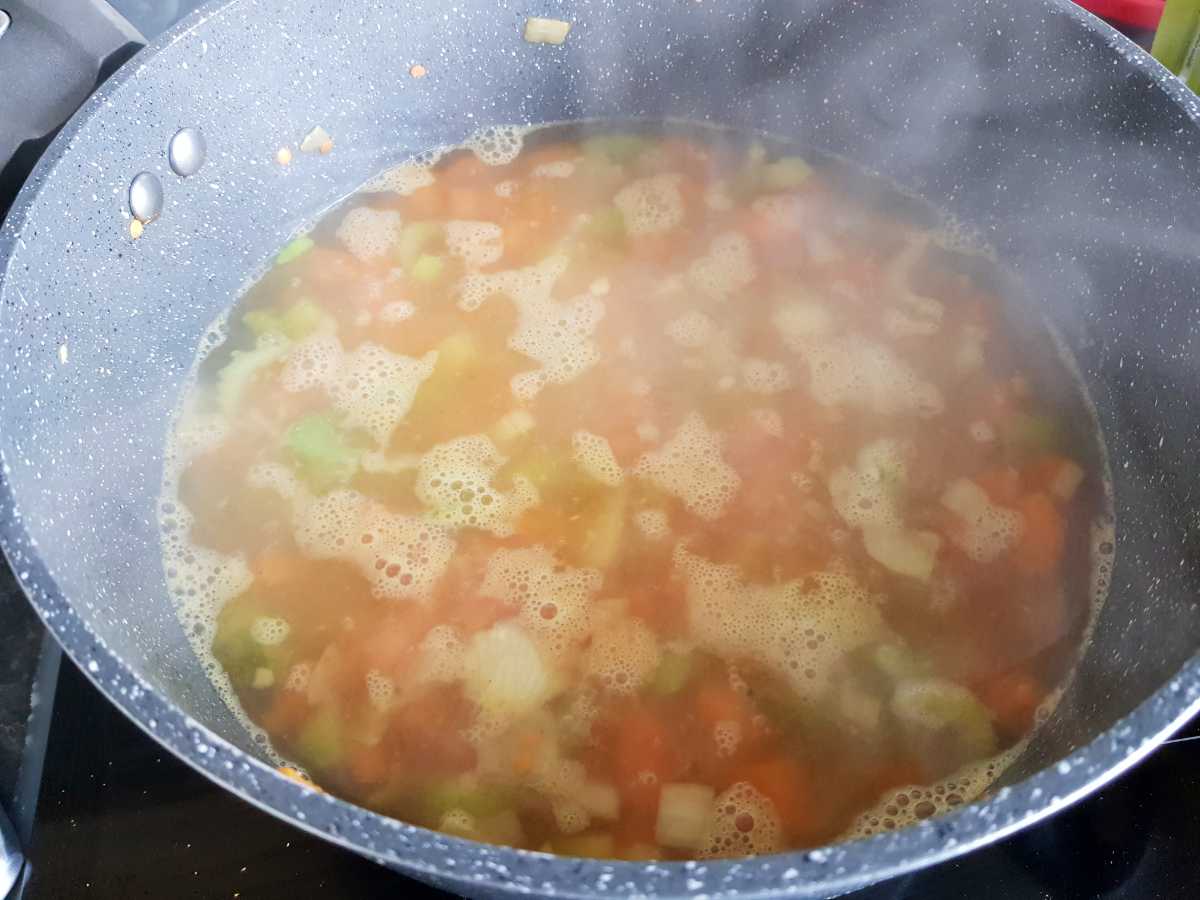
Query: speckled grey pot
[[1072, 152]]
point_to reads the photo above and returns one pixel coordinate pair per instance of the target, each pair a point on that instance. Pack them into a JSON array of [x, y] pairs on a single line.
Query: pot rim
[[823, 871]]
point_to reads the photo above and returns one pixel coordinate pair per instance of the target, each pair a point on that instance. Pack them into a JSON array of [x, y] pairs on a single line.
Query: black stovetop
[[104, 812]]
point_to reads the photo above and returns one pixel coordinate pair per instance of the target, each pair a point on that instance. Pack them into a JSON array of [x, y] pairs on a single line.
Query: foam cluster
[[557, 335], [988, 530], [477, 244], [402, 179], [401, 556], [497, 145], [562, 168], [689, 466], [594, 456], [764, 376], [372, 387], [369, 233], [552, 598], [727, 267], [651, 205], [652, 523], [381, 690], [801, 629], [799, 321], [853, 371], [440, 657], [622, 656], [455, 481], [397, 311], [270, 631], [744, 823], [867, 494], [691, 330]]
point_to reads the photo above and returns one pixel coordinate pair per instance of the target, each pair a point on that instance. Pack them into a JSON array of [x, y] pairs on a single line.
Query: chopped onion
[[546, 31], [911, 553], [1067, 481], [601, 800], [684, 815]]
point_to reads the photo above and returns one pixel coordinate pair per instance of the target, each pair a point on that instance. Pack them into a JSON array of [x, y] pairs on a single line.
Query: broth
[[637, 495]]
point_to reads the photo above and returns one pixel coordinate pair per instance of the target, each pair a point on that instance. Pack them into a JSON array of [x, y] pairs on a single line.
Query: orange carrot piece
[[275, 569], [1041, 544], [1013, 698], [1002, 485], [787, 783]]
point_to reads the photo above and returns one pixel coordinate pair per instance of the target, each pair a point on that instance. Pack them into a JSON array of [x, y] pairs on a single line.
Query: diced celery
[[416, 239], [607, 224], [319, 743], [263, 678], [427, 268], [467, 795], [605, 529], [294, 250], [784, 174], [243, 368], [322, 452], [1027, 433], [619, 148], [590, 845], [297, 322], [674, 671], [684, 814], [943, 719]]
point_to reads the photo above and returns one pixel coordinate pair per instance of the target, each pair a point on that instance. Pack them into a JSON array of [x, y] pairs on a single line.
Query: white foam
[[799, 321], [562, 168], [652, 523], [402, 179], [475, 243], [506, 188], [764, 376], [651, 205], [868, 494], [727, 735], [454, 481], [692, 330], [552, 598], [595, 458], [372, 387], [689, 466], [440, 658], [397, 311], [555, 334], [622, 656], [988, 530], [744, 823], [401, 556], [497, 145], [381, 690], [727, 267], [270, 631], [369, 233], [853, 371]]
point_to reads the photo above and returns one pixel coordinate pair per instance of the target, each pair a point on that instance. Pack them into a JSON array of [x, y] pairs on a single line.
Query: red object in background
[[1131, 13]]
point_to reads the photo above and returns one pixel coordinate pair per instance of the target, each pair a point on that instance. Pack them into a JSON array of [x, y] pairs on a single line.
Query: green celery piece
[[1176, 34], [457, 355], [620, 148], [784, 174], [302, 319], [294, 250], [241, 370], [439, 797], [929, 707], [416, 239], [325, 457], [1025, 434], [427, 268], [235, 648], [263, 321], [673, 672], [319, 743]]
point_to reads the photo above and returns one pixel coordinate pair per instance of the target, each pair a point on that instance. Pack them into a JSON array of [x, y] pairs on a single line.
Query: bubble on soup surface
[[401, 556], [369, 233], [381, 690], [727, 267], [552, 598], [652, 523], [440, 655], [594, 456], [401, 179], [762, 376], [855, 372], [690, 466], [869, 493], [692, 330], [556, 334], [475, 243], [622, 656], [454, 481], [744, 823], [497, 145], [651, 205]]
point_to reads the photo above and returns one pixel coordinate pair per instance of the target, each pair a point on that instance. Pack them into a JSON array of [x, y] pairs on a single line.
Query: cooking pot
[[1059, 143]]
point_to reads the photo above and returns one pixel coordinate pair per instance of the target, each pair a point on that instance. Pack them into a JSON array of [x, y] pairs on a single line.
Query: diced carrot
[[787, 783], [1041, 544], [1013, 698], [428, 731], [642, 746], [529, 748], [717, 702], [1002, 485], [287, 712], [274, 569], [368, 764]]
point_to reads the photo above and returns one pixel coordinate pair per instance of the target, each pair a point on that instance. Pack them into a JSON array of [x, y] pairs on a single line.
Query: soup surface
[[634, 495]]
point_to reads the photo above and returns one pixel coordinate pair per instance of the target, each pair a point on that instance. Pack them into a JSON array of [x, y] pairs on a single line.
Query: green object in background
[[1175, 42]]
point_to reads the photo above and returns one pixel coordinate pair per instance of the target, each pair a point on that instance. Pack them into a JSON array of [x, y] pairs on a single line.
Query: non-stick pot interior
[[1067, 159]]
